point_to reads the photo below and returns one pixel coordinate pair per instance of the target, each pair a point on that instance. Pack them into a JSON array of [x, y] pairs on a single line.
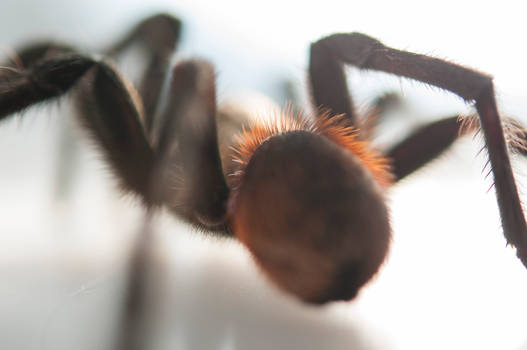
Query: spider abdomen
[[313, 216]]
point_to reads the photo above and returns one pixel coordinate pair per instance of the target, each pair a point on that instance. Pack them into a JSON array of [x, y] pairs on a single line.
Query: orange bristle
[[334, 127]]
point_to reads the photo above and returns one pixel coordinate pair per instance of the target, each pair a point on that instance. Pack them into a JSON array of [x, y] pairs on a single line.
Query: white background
[[450, 282]]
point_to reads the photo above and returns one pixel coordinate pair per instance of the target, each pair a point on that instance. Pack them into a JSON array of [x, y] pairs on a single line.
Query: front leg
[[367, 53], [109, 112], [21, 88]]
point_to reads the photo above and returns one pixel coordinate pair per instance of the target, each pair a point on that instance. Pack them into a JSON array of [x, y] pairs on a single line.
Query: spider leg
[[159, 35], [367, 53], [186, 141], [108, 111], [328, 82], [422, 146], [30, 54], [111, 112], [20, 89], [428, 142]]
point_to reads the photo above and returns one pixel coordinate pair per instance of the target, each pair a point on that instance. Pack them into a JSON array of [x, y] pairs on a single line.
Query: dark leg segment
[[181, 121], [185, 159], [328, 82], [187, 145], [159, 34], [422, 146], [107, 106], [31, 54], [428, 142], [109, 112], [368, 53], [41, 82]]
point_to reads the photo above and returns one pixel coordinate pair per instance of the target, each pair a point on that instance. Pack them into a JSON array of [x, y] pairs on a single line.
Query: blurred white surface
[[450, 282]]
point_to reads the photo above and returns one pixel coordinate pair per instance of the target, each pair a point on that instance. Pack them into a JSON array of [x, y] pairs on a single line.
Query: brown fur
[[312, 215]]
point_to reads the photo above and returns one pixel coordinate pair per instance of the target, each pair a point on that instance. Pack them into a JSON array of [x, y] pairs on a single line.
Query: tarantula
[[305, 194]]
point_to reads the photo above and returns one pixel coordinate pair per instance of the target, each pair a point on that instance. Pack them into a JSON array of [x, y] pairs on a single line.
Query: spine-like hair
[[333, 127]]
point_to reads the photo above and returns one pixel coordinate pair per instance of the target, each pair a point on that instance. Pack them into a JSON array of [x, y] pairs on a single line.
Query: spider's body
[[301, 166], [307, 198]]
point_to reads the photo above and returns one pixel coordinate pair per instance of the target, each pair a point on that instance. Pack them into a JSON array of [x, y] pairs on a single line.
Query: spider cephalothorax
[[307, 197]]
